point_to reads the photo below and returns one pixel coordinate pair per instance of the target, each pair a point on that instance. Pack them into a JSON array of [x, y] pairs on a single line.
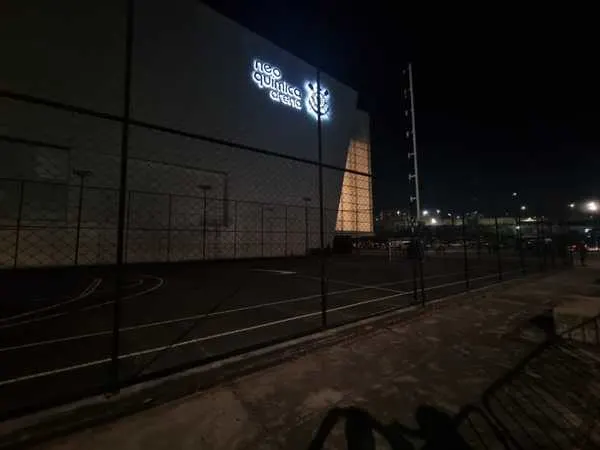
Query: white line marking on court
[[224, 334], [134, 284], [380, 285], [160, 280], [87, 308], [169, 321], [279, 272], [219, 313], [89, 290]]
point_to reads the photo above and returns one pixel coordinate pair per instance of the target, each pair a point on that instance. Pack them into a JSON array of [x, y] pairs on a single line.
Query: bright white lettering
[[269, 77]]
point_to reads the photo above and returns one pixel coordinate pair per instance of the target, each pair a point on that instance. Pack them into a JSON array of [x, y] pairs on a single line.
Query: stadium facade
[[222, 142]]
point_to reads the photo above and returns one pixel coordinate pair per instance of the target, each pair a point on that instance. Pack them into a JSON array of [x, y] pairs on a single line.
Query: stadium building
[[222, 147]]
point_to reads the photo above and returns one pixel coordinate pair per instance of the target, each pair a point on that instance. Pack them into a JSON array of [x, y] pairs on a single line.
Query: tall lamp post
[[204, 188]]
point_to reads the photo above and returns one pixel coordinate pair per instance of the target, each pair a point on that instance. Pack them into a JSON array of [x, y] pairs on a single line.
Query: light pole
[[414, 177], [82, 174], [306, 201], [205, 188]]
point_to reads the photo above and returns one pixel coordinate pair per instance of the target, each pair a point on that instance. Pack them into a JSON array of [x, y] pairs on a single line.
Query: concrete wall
[[191, 72]]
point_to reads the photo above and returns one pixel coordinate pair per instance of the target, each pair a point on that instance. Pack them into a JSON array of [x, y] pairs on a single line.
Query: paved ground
[[56, 326], [447, 379]]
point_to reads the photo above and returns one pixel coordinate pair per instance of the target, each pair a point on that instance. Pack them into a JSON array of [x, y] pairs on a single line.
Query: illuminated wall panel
[[355, 211]]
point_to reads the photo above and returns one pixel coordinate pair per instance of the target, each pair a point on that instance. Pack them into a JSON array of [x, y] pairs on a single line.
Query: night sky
[[505, 100]]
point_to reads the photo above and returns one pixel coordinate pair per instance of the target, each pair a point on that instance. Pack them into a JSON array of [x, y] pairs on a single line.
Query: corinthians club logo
[[313, 102], [270, 78]]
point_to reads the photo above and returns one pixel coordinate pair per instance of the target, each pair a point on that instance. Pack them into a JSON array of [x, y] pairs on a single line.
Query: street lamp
[[592, 206], [523, 207], [425, 212], [514, 194], [437, 211], [571, 205]]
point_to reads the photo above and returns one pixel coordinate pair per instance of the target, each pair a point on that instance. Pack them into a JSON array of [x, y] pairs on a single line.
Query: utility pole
[[414, 177]]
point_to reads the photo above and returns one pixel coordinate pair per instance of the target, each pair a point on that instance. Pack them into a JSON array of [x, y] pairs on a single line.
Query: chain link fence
[[134, 249]]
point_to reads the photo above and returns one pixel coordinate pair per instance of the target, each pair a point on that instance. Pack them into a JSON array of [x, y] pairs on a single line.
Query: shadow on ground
[[550, 399]]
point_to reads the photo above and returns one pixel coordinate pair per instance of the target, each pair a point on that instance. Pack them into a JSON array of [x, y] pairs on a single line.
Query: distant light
[[514, 194], [425, 212], [517, 227], [449, 214], [571, 205], [523, 208], [529, 219], [398, 212], [437, 211], [587, 230], [592, 206], [433, 221]]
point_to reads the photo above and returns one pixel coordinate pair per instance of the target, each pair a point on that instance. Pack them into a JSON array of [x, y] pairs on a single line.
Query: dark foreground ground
[[476, 372], [57, 326]]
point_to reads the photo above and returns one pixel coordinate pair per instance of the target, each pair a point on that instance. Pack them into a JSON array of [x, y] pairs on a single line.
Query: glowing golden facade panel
[[355, 211]]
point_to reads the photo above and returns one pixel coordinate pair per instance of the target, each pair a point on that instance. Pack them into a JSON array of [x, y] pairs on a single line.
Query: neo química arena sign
[[270, 78]]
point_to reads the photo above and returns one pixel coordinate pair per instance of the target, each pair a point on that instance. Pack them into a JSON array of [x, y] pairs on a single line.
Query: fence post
[[81, 174], [285, 236], [235, 212], [412, 254], [421, 257], [321, 207], [128, 224], [545, 246], [114, 368], [520, 242], [552, 247], [262, 231], [169, 225], [539, 245], [204, 188], [306, 242], [19, 218], [498, 249], [465, 255]]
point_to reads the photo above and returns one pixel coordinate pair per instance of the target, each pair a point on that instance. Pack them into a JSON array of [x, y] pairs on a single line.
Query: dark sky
[[506, 100]]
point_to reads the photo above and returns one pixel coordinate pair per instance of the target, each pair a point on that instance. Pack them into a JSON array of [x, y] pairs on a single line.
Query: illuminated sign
[[269, 77]]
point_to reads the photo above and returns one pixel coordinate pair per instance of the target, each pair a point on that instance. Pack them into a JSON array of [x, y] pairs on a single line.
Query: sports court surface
[[56, 325]]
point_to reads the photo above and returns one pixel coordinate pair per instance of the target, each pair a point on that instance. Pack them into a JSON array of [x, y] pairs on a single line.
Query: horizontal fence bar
[[138, 123]]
